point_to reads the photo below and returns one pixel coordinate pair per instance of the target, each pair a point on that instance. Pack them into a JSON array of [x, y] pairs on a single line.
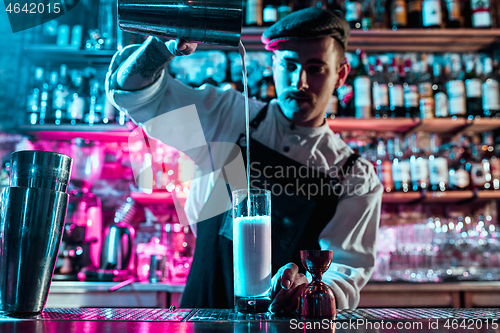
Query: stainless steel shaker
[[33, 210], [202, 21]]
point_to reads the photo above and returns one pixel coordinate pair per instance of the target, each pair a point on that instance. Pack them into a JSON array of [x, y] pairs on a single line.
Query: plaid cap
[[307, 23]]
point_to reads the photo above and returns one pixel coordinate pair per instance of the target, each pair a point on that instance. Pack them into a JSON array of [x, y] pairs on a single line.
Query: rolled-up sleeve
[[351, 235]]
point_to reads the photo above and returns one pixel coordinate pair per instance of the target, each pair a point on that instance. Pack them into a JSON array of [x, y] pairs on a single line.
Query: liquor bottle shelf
[[403, 125], [68, 132], [439, 197]]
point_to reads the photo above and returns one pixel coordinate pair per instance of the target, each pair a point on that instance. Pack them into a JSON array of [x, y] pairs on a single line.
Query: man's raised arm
[[142, 66]]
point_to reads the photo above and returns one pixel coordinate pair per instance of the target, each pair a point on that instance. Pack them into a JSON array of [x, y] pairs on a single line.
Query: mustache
[[294, 93]]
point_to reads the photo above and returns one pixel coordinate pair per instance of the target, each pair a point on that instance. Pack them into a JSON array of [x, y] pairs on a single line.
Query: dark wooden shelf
[[488, 195], [157, 197], [442, 125], [424, 40], [380, 125], [86, 132], [70, 55], [484, 125], [402, 40], [403, 125], [439, 197], [400, 197], [448, 196]]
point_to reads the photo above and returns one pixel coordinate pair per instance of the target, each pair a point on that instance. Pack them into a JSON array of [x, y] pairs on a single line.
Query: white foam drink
[[252, 250], [252, 255]]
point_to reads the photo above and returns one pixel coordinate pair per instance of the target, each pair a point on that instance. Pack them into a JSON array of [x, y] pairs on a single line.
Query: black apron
[[297, 219]]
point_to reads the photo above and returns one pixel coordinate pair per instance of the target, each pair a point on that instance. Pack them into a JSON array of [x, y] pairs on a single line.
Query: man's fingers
[[294, 299], [178, 47], [288, 299], [288, 276]]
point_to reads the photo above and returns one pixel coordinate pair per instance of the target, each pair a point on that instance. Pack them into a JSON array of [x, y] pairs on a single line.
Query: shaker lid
[[40, 169]]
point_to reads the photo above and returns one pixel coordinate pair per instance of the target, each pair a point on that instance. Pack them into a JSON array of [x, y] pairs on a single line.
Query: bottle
[[441, 109], [480, 14], [438, 166], [458, 171], [380, 92], [367, 15], [270, 12], [491, 97], [480, 174], [399, 18], [473, 90], [60, 96], [426, 99], [396, 92], [415, 13], [419, 166], [456, 89], [33, 101], [400, 168], [362, 88], [94, 112], [48, 111], [267, 88], [345, 95], [432, 14], [491, 154], [411, 97], [44, 102], [253, 13], [283, 9], [76, 100], [454, 15], [467, 13], [384, 164], [380, 19], [353, 13]]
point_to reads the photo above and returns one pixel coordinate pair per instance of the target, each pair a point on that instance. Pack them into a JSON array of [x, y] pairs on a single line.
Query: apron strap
[[260, 116]]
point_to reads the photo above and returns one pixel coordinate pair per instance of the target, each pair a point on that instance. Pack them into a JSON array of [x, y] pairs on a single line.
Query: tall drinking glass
[[252, 250]]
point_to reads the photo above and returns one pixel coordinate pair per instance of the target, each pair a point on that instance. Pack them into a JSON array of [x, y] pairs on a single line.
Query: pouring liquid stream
[[247, 121], [251, 238]]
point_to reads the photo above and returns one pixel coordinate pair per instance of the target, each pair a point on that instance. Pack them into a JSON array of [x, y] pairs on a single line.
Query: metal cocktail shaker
[[202, 21], [33, 210]]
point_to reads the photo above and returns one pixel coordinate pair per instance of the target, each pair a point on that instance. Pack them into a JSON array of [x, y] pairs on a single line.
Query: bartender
[[290, 133]]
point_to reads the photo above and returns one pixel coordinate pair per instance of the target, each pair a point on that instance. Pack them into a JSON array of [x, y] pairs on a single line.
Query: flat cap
[[307, 23]]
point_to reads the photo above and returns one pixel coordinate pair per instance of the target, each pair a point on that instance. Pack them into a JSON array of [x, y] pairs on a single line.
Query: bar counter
[[218, 320], [464, 294]]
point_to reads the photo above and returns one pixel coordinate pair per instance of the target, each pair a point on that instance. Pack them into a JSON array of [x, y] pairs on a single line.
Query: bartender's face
[[306, 73]]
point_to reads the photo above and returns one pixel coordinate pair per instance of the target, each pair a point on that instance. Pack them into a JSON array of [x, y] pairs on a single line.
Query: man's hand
[[287, 286]]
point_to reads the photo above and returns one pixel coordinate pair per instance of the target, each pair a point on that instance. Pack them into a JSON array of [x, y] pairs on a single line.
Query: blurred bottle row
[[381, 86], [383, 14], [93, 26], [420, 86], [439, 249], [420, 163], [73, 97]]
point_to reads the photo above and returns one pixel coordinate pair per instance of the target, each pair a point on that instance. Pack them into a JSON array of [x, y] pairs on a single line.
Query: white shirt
[[352, 231]]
